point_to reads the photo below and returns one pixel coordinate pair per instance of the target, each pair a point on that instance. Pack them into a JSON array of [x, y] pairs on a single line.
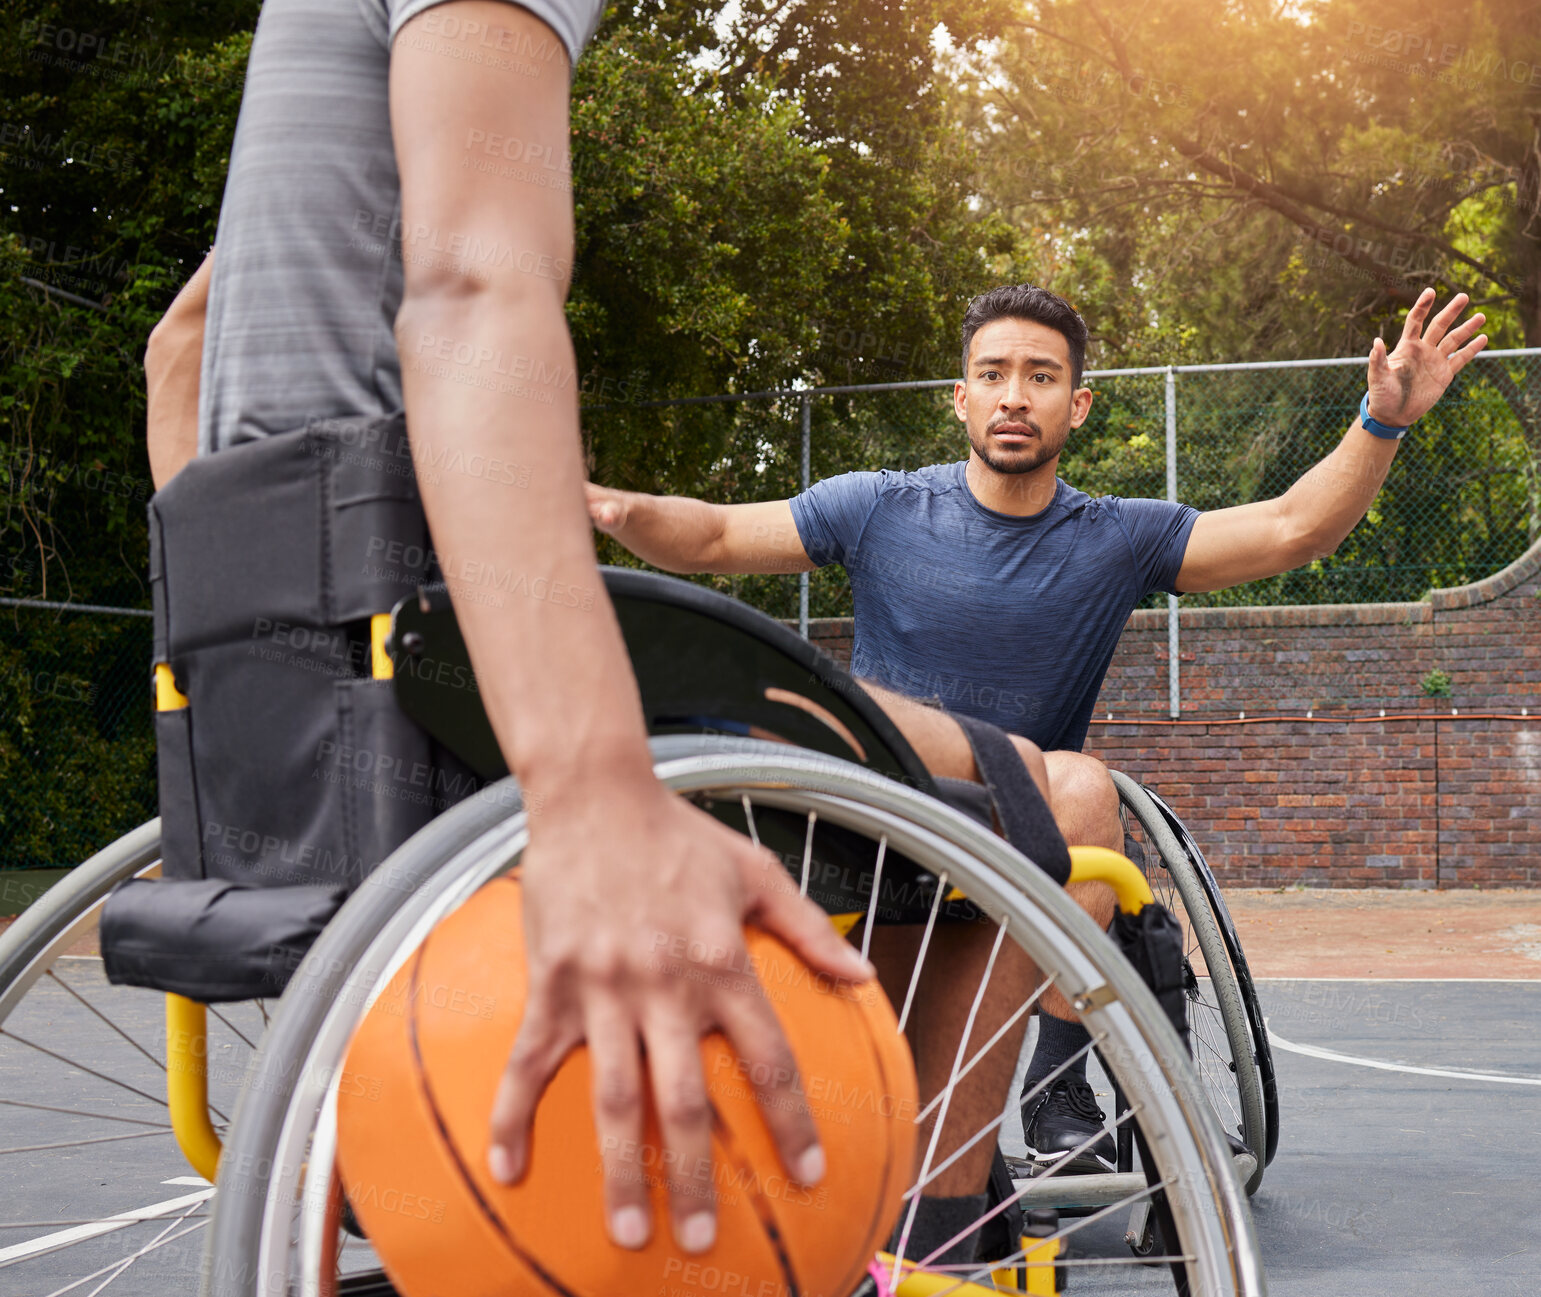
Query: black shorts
[[843, 863]]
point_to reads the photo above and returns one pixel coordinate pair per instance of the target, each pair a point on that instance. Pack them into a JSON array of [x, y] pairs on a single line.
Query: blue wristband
[[1375, 427]]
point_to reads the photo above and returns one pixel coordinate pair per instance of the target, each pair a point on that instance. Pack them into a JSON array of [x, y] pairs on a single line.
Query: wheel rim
[[1206, 1020], [98, 1197], [1187, 1149], [1224, 1037], [1262, 1050]]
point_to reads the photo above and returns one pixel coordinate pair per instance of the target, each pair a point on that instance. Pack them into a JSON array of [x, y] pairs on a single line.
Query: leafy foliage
[[784, 193], [1292, 188], [740, 224], [1285, 194], [112, 153]]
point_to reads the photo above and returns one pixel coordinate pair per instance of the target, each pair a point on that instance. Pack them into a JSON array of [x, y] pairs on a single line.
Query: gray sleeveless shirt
[[307, 276]]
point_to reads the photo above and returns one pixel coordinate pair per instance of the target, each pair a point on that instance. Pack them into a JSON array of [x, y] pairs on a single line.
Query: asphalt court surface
[[1395, 1181], [1386, 1181]]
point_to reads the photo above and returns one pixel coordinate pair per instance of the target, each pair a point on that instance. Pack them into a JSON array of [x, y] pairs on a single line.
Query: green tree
[[748, 216], [112, 153], [1251, 181], [1341, 155]]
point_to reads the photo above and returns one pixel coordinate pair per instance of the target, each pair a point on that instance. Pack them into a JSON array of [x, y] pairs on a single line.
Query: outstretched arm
[[173, 361], [679, 534], [1309, 521]]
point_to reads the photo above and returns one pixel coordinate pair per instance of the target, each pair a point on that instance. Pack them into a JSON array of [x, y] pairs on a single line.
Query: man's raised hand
[[1405, 384]]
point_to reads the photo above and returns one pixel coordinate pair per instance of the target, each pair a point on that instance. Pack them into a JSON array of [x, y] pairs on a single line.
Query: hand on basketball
[[635, 903], [1405, 384]]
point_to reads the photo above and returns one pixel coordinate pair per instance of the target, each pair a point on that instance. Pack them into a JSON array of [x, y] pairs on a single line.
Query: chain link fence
[[1461, 500], [77, 752], [77, 759]]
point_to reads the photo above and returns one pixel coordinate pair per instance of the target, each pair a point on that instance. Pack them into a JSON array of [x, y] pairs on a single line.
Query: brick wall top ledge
[[1501, 582], [821, 628], [1305, 614], [1350, 614]]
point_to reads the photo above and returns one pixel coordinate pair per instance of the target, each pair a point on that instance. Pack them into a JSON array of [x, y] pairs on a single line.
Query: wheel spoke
[[234, 1029], [1221, 1066], [947, 1092], [990, 1126], [111, 1025], [75, 1112], [89, 1071], [813, 817], [1025, 1007], [56, 1224], [82, 1143], [1033, 1186], [127, 1261], [920, 958], [117, 1267], [872, 905], [1020, 1255], [1220, 1069], [18, 1252]]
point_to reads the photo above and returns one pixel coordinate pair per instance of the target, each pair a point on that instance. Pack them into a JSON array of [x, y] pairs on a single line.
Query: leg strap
[[1025, 818]]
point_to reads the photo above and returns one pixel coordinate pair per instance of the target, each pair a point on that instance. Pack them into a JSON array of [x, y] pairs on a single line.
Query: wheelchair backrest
[[704, 663]]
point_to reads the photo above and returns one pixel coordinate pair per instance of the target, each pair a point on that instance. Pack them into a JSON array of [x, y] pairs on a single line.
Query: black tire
[[281, 1147], [1232, 941], [63, 904], [1180, 875]]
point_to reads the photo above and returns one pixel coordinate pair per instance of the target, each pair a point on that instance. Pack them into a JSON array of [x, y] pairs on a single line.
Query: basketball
[[417, 1090]]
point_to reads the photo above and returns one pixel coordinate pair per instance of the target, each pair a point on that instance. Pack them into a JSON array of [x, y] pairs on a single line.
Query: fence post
[[1173, 666], [802, 579]]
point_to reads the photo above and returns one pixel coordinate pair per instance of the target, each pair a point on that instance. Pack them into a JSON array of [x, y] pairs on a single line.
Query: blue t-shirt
[[1010, 619]]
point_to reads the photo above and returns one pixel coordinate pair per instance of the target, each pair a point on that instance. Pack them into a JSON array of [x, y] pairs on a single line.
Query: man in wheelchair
[[997, 590], [279, 403], [313, 346]]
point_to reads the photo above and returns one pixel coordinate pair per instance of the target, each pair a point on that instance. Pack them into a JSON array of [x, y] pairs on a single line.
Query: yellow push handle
[[168, 698], [187, 1084], [187, 1073], [380, 665], [1095, 865], [1087, 865], [1099, 865]]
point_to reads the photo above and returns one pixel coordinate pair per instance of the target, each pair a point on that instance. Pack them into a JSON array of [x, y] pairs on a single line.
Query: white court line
[[77, 1233], [1332, 1056]]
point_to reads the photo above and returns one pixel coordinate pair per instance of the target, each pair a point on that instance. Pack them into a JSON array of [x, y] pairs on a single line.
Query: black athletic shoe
[[1062, 1118]]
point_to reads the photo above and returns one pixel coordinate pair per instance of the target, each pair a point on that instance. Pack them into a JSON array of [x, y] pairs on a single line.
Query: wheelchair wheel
[[97, 1197], [275, 1227], [1230, 1044]]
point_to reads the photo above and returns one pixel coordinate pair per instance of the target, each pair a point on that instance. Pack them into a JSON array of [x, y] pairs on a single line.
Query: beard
[[1018, 459]]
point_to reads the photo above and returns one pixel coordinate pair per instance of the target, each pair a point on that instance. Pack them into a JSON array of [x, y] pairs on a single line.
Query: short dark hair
[[1028, 302]]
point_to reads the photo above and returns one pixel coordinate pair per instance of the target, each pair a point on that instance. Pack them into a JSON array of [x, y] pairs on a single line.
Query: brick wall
[[1441, 792]]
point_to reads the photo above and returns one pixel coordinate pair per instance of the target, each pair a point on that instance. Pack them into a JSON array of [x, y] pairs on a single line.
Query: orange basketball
[[416, 1095]]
